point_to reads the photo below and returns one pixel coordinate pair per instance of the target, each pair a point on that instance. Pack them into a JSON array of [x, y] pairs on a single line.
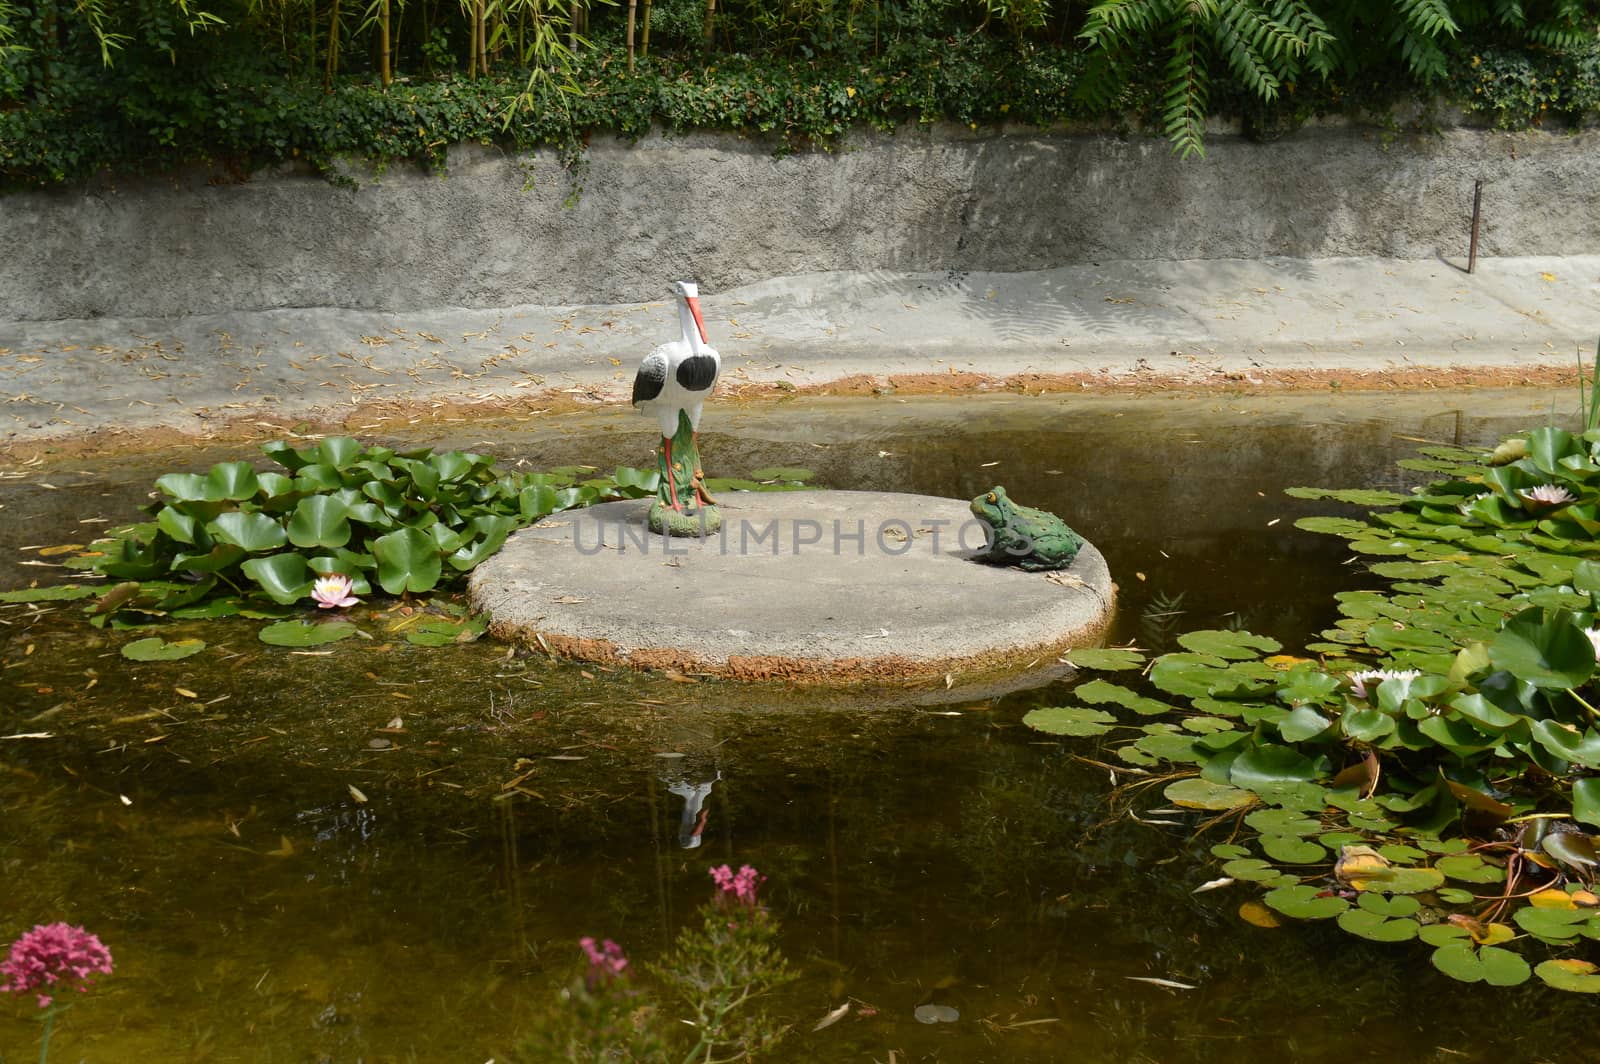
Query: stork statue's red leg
[[672, 485]]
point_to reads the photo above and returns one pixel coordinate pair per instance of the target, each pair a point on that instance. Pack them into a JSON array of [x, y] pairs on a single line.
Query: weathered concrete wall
[[723, 209]]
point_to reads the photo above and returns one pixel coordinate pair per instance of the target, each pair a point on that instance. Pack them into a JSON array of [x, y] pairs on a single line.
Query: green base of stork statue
[[695, 512], [671, 386]]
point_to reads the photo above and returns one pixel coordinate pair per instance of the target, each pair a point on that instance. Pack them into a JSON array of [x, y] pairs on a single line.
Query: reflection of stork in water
[[692, 824]]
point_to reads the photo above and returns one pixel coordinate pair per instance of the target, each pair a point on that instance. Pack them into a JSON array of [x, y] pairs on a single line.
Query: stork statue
[[672, 385]]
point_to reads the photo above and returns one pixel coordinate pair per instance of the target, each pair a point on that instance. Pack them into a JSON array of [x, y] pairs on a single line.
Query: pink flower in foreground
[[740, 885], [606, 961], [333, 591], [53, 956]]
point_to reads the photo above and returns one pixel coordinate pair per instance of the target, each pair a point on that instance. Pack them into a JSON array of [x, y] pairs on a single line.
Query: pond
[[380, 852]]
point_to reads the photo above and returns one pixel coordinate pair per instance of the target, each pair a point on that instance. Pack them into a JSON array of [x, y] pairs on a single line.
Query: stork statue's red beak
[[700, 323]]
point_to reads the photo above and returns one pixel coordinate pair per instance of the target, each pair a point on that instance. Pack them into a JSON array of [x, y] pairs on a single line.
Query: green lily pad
[[1354, 496], [1266, 765], [1106, 659], [1544, 648], [1289, 849], [1552, 925], [1100, 692], [1070, 720], [1400, 905], [1470, 868], [1489, 964], [1305, 902], [1377, 928], [1586, 801], [157, 649], [306, 634], [1233, 646], [1252, 870], [1202, 794], [441, 631], [1578, 976], [58, 593]]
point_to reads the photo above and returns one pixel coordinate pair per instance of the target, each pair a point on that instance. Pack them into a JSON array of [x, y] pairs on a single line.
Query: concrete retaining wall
[[725, 210]]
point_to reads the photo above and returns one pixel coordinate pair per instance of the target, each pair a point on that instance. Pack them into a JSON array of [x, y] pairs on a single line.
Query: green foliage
[[719, 969], [143, 85], [404, 521], [1447, 745]]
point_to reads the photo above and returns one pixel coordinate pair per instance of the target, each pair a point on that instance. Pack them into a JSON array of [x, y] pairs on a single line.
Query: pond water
[[285, 876]]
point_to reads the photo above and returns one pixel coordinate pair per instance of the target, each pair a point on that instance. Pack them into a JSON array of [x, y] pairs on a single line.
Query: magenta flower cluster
[[740, 886], [53, 957], [606, 961]]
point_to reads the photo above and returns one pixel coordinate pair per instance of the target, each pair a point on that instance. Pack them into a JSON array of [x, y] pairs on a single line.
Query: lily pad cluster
[[1435, 772], [238, 540]]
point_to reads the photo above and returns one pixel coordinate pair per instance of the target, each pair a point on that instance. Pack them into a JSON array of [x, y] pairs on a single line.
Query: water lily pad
[[1305, 902], [1470, 868], [1202, 794], [1070, 720], [1570, 973], [1234, 646], [1100, 692], [1289, 849], [1586, 801], [1253, 870], [58, 593], [157, 649], [1268, 764], [306, 634], [1106, 659], [442, 631], [1489, 964], [1333, 526], [1400, 905], [1282, 822], [1377, 928], [1354, 496], [1552, 925], [1544, 648]]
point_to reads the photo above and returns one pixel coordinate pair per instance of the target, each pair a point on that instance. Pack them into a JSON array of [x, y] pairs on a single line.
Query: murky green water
[[199, 815]]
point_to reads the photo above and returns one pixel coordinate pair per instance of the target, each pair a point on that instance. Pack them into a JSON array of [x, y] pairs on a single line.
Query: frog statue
[[1022, 536]]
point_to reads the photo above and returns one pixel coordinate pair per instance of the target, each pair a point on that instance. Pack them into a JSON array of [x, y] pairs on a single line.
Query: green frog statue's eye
[[991, 496]]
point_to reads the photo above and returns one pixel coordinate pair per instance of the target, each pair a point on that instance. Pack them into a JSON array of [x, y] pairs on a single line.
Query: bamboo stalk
[[644, 41], [711, 10], [332, 67], [632, 5], [483, 38], [383, 47]]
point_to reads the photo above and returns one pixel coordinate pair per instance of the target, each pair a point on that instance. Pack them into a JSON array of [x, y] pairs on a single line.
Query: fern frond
[[1122, 20], [1232, 35], [1426, 18], [1184, 115]]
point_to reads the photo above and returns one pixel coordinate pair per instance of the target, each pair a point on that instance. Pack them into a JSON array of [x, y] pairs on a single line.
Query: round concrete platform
[[809, 586]]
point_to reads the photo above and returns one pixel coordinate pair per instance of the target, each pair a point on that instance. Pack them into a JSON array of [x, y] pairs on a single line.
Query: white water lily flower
[[1547, 495], [332, 591], [1594, 640], [1360, 680]]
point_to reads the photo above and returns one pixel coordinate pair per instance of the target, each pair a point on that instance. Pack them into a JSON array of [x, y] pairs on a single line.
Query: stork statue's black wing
[[697, 373], [650, 379]]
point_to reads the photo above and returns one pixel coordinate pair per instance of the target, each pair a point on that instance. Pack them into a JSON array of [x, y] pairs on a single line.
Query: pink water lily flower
[[1547, 495], [332, 591]]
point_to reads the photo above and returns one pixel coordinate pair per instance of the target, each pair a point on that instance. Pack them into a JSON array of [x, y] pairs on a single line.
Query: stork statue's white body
[[676, 378]]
